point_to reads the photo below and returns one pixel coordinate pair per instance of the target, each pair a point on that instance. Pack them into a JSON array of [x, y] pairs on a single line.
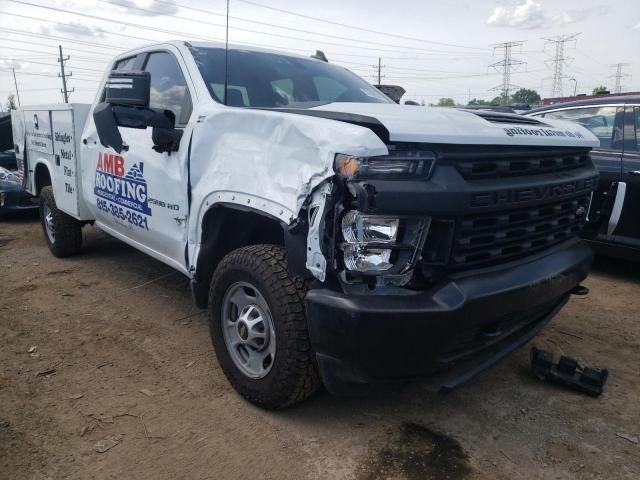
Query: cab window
[[168, 87], [600, 120], [125, 64]]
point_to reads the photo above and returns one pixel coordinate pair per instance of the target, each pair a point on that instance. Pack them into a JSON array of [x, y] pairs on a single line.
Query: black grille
[[509, 163], [505, 235]]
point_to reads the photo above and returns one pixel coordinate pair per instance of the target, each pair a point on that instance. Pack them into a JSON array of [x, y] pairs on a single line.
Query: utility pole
[[379, 68], [619, 75], [505, 65], [559, 61], [64, 91], [16, 84]]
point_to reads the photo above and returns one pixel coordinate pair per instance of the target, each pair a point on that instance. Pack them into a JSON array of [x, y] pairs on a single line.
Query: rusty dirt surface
[[107, 371]]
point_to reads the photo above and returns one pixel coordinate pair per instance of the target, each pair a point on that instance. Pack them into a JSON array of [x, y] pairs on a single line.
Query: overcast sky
[[434, 49]]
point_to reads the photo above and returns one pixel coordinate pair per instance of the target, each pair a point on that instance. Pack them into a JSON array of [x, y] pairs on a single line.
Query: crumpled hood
[[409, 123]]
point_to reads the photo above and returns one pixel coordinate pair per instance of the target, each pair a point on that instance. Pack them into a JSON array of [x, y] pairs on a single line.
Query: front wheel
[[62, 232], [259, 329]]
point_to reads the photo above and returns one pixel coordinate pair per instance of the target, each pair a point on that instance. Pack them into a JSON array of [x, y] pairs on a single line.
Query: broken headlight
[[398, 163], [372, 243]]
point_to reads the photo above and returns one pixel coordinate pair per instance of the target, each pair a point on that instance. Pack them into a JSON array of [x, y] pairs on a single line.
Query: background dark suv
[[614, 215]]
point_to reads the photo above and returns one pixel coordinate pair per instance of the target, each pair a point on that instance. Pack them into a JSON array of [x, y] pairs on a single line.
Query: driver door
[[141, 194]]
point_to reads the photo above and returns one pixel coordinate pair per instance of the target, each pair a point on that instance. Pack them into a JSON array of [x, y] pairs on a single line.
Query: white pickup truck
[[335, 237]]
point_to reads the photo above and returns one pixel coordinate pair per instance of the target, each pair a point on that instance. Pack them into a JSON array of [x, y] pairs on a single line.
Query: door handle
[[634, 172]]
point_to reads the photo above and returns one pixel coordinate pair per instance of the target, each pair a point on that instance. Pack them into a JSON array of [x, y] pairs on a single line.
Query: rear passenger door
[[628, 229]]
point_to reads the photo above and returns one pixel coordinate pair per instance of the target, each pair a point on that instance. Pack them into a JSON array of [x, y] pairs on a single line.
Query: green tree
[[497, 101], [11, 103], [478, 101], [526, 95], [600, 89], [446, 102]]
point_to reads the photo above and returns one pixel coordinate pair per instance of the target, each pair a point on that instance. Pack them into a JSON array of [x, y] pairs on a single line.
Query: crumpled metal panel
[[267, 160]]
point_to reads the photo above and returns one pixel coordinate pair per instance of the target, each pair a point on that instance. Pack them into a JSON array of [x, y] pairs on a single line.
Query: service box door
[[64, 153]]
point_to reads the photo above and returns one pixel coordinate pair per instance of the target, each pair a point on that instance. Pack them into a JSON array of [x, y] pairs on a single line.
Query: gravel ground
[[107, 371]]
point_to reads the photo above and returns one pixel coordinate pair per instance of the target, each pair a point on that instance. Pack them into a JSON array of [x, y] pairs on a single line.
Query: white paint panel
[[38, 129], [65, 162], [409, 123]]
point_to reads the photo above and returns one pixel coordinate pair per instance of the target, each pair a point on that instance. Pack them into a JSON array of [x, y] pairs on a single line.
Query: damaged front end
[[437, 263], [368, 249]]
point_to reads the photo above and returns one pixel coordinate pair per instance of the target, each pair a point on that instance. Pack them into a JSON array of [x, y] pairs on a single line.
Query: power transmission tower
[[65, 92], [505, 65], [619, 75], [559, 61], [379, 68]]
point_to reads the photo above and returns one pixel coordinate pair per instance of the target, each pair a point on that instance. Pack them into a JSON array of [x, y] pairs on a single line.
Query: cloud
[[79, 29], [150, 8], [578, 15], [10, 63], [527, 15]]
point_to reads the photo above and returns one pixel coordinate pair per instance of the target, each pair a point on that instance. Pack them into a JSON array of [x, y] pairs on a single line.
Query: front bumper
[[451, 332]]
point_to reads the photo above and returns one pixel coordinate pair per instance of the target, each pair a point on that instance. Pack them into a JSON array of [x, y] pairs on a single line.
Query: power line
[[559, 61], [49, 76], [270, 25], [22, 41], [203, 37], [362, 29], [619, 75], [55, 37], [505, 65]]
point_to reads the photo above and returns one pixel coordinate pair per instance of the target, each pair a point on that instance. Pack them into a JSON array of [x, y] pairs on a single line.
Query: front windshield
[[268, 80]]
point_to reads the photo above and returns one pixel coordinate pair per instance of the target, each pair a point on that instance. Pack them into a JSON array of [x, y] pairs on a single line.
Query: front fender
[[267, 160]]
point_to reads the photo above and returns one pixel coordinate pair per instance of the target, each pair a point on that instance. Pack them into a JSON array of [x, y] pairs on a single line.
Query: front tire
[[62, 232], [259, 330]]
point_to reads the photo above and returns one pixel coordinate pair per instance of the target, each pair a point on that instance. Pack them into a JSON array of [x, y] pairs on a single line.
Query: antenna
[[226, 57]]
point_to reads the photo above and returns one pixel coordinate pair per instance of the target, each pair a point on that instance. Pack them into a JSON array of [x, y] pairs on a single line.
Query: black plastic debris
[[567, 372]]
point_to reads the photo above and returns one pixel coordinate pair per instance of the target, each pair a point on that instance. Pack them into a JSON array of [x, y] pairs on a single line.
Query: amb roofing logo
[[112, 184]]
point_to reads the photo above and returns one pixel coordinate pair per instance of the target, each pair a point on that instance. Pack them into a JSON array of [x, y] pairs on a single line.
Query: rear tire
[[270, 303], [62, 232]]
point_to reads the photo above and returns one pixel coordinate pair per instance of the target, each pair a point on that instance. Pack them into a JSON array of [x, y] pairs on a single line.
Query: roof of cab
[[181, 44]]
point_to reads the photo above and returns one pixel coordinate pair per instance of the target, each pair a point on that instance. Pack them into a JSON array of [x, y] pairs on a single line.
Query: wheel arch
[[41, 177], [226, 227]]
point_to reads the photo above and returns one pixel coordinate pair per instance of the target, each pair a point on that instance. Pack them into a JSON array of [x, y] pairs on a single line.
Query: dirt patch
[[416, 453], [5, 240], [137, 391]]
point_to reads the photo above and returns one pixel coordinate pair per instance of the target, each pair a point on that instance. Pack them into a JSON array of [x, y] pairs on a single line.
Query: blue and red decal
[[128, 189]]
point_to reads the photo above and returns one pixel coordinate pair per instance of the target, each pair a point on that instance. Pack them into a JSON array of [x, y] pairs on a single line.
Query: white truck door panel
[[139, 193]]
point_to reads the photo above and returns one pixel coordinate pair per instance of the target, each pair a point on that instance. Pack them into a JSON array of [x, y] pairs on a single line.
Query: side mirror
[[128, 88], [127, 105]]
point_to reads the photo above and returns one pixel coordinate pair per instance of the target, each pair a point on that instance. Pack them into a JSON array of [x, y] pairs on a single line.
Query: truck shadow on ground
[[617, 268]]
